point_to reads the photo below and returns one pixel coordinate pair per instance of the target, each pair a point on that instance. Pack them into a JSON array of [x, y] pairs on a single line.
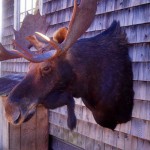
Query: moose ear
[[8, 82], [60, 35]]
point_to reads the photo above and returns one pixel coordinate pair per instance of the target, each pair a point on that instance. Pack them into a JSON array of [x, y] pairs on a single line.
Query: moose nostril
[[16, 121], [29, 117]]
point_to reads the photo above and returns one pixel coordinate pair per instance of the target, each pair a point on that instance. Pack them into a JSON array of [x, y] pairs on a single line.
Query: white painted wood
[[41, 7], [16, 14]]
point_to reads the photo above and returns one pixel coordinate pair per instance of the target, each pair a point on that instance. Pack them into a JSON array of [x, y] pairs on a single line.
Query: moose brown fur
[[97, 69]]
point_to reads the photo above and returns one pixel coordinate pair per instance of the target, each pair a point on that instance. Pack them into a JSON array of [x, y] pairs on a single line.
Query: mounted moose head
[[97, 69]]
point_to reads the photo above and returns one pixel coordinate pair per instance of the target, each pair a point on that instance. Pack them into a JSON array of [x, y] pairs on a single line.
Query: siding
[[134, 16], [17, 65]]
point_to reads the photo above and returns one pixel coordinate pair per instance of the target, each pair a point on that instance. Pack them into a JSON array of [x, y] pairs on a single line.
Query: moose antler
[[6, 54], [30, 24], [81, 19]]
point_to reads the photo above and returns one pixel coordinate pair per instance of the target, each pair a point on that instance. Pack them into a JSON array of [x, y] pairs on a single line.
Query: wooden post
[[32, 135], [4, 129]]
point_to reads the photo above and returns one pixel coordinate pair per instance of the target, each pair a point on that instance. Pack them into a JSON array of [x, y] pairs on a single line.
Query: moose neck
[[69, 74]]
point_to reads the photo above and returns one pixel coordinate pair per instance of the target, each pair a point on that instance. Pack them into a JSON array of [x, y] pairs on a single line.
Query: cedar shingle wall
[[7, 22], [134, 15], [16, 65]]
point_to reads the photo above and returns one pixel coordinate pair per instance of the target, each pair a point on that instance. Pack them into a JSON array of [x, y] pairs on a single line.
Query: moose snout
[[18, 113], [12, 113]]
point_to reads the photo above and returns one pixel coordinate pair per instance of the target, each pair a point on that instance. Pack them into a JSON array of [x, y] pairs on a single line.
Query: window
[[26, 6], [22, 7]]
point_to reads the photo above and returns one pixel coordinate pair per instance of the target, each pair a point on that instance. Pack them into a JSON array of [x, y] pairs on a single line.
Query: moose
[[97, 69]]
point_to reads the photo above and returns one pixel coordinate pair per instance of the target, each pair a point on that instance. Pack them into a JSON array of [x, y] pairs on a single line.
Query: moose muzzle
[[18, 114]]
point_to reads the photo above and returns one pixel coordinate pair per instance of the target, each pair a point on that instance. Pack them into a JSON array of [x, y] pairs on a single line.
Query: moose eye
[[46, 68]]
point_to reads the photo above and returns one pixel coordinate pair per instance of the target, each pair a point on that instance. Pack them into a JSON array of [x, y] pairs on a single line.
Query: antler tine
[[73, 17], [11, 54], [6, 54], [29, 55], [82, 18], [37, 58], [35, 42], [49, 40], [22, 50]]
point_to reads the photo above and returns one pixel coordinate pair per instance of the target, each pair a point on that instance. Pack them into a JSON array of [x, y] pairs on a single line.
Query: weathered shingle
[[134, 16]]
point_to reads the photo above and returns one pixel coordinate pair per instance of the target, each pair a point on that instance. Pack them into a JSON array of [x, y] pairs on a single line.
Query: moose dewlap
[[97, 69]]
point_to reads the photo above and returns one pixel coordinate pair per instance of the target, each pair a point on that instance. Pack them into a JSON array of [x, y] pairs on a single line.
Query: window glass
[[22, 6], [29, 5]]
